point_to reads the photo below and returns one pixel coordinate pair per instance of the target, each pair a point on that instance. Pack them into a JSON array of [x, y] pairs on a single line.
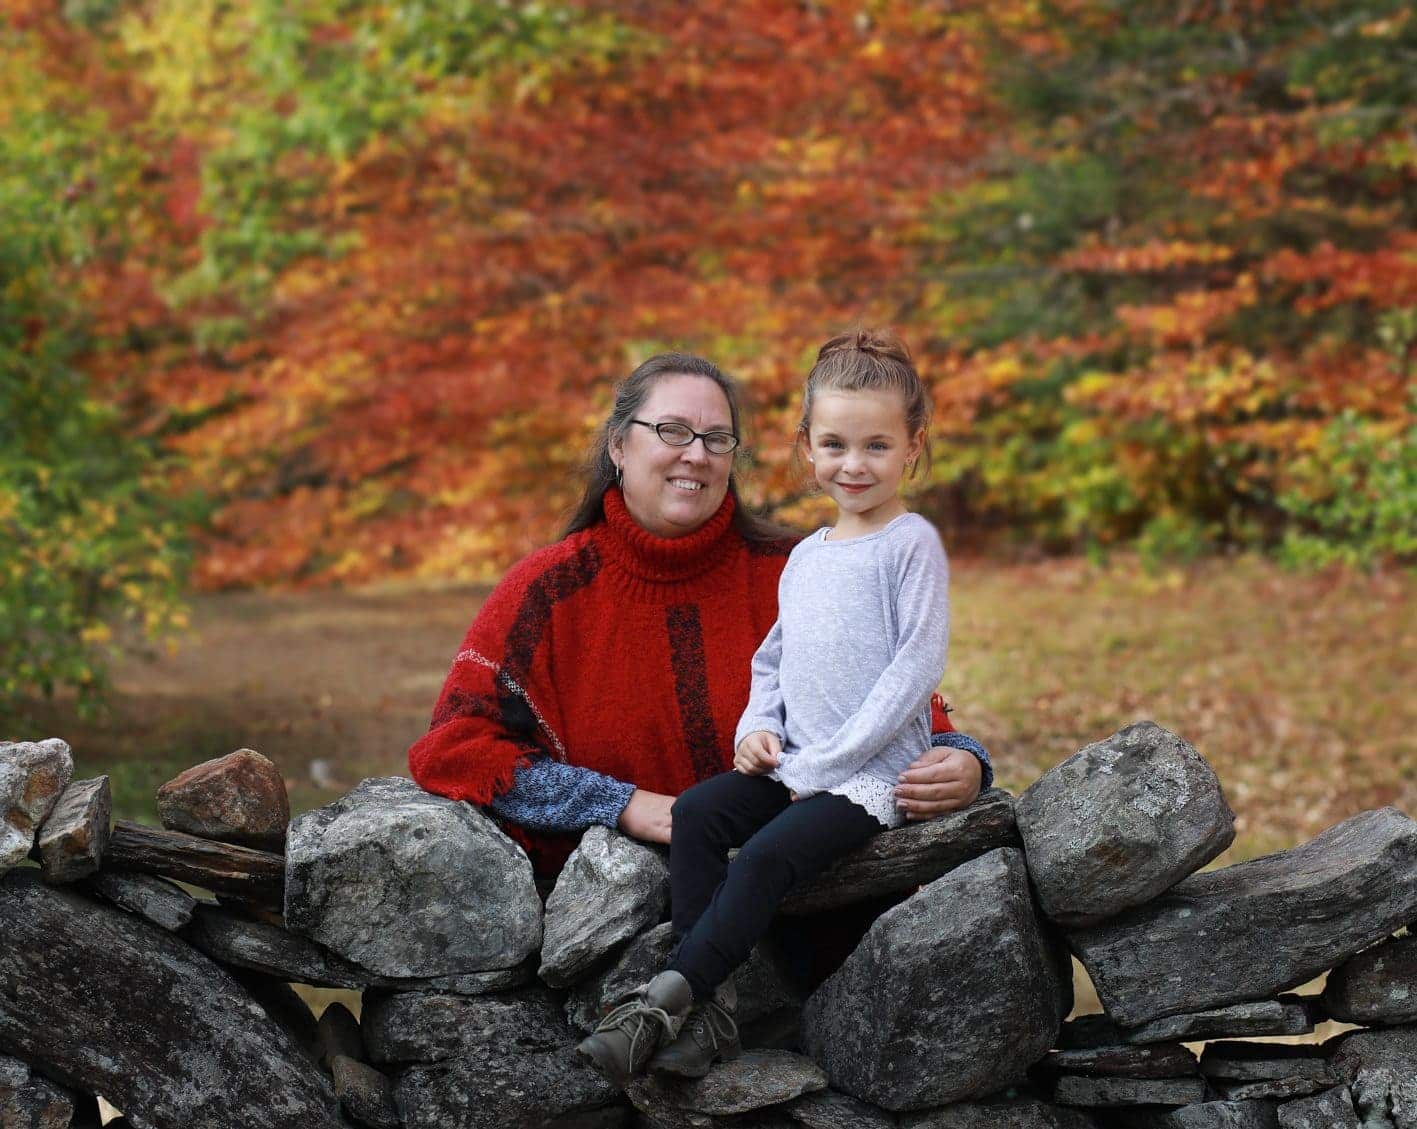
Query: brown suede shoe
[[625, 1039], [709, 1035]]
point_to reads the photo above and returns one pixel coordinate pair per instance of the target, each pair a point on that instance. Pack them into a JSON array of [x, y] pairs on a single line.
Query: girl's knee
[[760, 863]]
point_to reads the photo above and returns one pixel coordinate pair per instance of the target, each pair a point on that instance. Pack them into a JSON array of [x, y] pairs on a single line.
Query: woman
[[606, 673]]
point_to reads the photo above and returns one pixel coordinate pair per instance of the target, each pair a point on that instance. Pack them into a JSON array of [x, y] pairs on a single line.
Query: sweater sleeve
[[765, 709], [497, 708], [547, 795], [903, 689], [956, 740]]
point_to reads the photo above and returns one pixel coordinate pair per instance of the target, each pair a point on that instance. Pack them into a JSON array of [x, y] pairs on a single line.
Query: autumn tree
[[89, 532], [1185, 296]]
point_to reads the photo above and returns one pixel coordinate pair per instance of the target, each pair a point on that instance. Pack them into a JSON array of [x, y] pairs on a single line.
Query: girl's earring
[[619, 474]]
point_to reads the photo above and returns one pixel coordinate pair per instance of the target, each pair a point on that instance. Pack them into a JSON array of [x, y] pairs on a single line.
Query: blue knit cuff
[[547, 795], [969, 744]]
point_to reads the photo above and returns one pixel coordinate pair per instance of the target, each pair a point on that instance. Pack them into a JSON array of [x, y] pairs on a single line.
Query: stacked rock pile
[[949, 1014]]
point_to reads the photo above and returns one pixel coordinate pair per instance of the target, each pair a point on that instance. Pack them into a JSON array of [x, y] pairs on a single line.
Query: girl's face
[[672, 491], [859, 448]]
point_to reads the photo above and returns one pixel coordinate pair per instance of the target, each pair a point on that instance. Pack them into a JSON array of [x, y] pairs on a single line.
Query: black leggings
[[720, 911]]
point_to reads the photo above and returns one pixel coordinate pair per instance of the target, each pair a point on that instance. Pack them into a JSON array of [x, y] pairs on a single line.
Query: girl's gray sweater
[[845, 675]]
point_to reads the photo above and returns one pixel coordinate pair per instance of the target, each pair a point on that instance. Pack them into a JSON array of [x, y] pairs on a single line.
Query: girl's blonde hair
[[869, 359]]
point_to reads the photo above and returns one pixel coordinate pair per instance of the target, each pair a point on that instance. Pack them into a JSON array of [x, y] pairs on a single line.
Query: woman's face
[[672, 491]]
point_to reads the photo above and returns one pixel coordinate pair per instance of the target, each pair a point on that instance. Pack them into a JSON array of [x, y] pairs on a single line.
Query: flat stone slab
[[238, 798], [1084, 1090], [1287, 1015], [754, 1080], [233, 939], [252, 876], [911, 856], [479, 1061], [1378, 987], [1239, 1061], [408, 884], [1332, 1109], [1208, 1115], [827, 1109], [1276, 1089], [73, 836], [1120, 821], [611, 889], [951, 995], [167, 1035], [33, 775], [162, 902], [1154, 1060], [1017, 1113], [1259, 927]]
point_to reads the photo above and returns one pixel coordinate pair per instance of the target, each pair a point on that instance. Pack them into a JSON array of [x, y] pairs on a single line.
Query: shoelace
[[717, 1024], [622, 1016]]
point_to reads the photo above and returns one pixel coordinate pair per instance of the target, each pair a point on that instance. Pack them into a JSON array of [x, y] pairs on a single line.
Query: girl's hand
[[757, 753], [646, 817]]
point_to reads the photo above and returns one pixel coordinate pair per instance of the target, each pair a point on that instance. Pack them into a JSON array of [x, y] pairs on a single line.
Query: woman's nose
[[696, 452]]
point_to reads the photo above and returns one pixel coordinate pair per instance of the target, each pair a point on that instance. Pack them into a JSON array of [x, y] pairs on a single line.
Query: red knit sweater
[[612, 649]]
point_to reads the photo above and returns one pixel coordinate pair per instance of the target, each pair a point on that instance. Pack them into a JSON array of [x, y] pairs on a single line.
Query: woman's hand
[[757, 753], [937, 781], [646, 816]]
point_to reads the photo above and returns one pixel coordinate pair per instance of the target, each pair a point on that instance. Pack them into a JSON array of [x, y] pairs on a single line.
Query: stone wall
[[949, 1013]]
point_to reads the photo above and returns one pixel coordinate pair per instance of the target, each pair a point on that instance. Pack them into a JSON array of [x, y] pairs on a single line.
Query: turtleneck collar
[[664, 559]]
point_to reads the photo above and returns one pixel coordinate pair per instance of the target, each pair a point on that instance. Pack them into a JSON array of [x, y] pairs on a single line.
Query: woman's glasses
[[681, 435]]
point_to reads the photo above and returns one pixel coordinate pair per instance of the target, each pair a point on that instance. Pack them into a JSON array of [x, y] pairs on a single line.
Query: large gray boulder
[[1377, 987], [33, 774], [1332, 1109], [951, 995], [1248, 931], [409, 884], [116, 1006], [404, 1027], [1381, 1069], [1120, 821], [611, 889], [485, 1061]]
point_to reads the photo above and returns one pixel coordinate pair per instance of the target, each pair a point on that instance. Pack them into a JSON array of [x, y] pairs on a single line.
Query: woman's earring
[[619, 474]]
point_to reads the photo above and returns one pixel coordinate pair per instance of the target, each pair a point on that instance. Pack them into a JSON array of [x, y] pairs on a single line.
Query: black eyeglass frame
[[657, 428]]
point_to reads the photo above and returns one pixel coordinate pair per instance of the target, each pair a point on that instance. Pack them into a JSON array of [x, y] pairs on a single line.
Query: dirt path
[[332, 686]]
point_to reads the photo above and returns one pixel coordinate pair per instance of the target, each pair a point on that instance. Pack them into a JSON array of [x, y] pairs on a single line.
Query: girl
[[840, 705]]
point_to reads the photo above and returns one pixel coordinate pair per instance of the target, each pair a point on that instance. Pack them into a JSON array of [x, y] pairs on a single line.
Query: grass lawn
[[1298, 689]]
